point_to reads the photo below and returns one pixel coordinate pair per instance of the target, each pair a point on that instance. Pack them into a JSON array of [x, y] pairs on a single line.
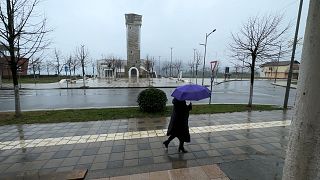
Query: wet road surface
[[229, 92]]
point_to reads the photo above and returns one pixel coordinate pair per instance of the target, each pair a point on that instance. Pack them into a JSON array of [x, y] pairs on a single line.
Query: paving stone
[[53, 163], [86, 159], [115, 164], [131, 162], [76, 152], [116, 156], [119, 148], [101, 158], [131, 154], [145, 153], [96, 166], [70, 161], [61, 154], [145, 161], [90, 151]]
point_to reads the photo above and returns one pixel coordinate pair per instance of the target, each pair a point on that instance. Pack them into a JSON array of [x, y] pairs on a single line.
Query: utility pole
[[242, 69], [159, 67], [171, 63], [194, 61], [286, 97], [205, 52]]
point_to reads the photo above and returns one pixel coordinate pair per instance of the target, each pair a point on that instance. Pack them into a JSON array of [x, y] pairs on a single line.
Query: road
[[229, 92]]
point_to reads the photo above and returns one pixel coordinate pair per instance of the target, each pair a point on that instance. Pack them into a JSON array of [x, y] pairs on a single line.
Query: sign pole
[[213, 66]]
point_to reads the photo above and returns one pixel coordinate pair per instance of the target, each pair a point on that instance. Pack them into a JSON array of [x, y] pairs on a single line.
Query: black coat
[[178, 126]]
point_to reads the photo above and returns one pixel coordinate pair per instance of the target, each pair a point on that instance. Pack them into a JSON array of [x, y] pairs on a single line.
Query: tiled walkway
[[208, 172], [131, 146]]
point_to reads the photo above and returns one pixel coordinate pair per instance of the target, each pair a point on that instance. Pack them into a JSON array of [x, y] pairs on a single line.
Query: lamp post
[[159, 67], [205, 52], [171, 62]]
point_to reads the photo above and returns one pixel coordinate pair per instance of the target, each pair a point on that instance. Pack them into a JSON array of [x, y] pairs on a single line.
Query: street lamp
[[171, 62], [159, 67], [205, 52]]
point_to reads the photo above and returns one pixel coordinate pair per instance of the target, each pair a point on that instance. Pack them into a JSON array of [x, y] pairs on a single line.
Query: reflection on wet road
[[230, 92]]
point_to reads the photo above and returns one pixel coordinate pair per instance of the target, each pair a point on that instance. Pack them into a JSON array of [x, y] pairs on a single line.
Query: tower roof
[[132, 18]]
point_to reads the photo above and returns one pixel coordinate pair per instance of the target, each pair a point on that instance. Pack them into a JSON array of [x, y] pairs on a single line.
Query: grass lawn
[[79, 115]]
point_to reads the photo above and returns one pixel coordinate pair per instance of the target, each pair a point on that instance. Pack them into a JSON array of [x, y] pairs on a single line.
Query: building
[[5, 70], [108, 68], [133, 25], [134, 65], [279, 70]]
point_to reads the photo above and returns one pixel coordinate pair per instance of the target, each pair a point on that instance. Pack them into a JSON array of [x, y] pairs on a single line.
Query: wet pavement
[[246, 145], [228, 92]]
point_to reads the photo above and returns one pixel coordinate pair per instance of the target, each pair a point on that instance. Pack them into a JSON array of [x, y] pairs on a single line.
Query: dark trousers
[[180, 140]]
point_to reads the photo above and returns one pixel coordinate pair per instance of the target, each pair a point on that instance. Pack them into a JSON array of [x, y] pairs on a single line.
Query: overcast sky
[[181, 24]]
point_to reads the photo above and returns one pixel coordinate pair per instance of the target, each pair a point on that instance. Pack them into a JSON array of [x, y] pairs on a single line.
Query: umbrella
[[191, 92]]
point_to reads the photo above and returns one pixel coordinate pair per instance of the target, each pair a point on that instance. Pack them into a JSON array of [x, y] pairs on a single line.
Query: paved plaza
[[244, 145]]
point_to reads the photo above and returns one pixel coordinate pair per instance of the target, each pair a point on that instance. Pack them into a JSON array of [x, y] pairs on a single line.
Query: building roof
[[280, 63]]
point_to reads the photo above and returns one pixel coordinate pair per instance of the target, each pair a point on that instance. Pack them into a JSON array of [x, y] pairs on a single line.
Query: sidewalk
[[244, 145]]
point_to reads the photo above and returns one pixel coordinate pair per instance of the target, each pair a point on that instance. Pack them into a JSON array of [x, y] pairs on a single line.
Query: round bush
[[152, 100]]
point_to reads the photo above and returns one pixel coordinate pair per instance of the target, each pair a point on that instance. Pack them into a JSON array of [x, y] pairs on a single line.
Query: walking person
[[178, 126]]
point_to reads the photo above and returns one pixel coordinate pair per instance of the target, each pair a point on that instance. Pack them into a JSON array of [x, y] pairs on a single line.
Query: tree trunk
[[16, 89], [83, 75], [303, 151], [251, 80], [196, 74]]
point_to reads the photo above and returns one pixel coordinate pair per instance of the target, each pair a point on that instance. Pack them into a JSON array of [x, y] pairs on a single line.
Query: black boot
[[166, 143], [181, 148]]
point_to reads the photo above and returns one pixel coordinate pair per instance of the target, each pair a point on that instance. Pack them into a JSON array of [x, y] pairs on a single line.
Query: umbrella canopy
[[191, 92]]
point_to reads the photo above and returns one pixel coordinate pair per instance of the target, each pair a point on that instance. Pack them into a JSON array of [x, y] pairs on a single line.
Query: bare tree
[[191, 65], [74, 64], [165, 67], [34, 66], [178, 66], [58, 64], [82, 55], [68, 64], [20, 36], [93, 65], [119, 64], [148, 64], [198, 58], [48, 66], [257, 41]]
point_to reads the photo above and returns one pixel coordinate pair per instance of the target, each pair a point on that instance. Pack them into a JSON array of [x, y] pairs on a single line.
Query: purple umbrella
[[191, 92]]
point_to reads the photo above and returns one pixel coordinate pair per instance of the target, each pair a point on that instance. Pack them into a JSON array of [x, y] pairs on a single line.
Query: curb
[[292, 87]]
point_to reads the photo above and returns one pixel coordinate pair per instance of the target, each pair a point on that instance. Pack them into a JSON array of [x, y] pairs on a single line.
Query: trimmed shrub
[[152, 100]]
